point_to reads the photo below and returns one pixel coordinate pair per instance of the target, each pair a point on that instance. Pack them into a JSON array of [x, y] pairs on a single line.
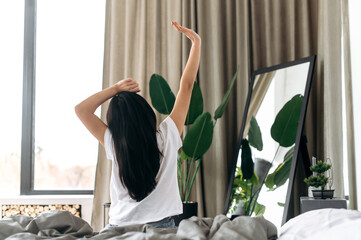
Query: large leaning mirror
[[269, 141]]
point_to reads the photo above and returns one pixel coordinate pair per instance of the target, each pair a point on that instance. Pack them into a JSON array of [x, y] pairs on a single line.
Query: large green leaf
[[199, 136], [270, 181], [282, 173], [254, 179], [289, 154], [259, 209], [183, 156], [247, 165], [196, 104], [161, 95], [284, 128], [220, 110], [255, 135]]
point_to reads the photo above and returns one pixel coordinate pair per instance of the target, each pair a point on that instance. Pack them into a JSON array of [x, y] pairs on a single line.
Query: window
[[63, 64], [11, 76]]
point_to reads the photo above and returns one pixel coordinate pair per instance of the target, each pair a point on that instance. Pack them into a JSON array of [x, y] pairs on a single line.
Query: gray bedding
[[63, 225]]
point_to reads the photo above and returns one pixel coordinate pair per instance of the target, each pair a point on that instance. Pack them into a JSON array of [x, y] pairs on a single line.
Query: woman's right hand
[[127, 84], [192, 35]]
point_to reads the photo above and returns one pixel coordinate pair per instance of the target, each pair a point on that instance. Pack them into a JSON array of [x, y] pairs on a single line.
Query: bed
[[63, 225], [318, 224]]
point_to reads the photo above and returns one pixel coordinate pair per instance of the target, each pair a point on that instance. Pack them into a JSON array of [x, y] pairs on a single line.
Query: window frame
[[28, 109]]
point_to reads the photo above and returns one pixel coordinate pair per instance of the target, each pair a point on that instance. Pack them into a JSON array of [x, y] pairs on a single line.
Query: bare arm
[[85, 110], [181, 106]]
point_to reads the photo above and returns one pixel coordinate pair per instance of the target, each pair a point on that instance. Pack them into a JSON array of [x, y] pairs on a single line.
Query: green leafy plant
[[246, 180], [283, 131], [199, 132], [320, 180], [245, 183], [242, 191]]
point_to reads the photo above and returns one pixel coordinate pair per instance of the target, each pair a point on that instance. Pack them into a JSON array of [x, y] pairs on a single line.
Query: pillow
[[328, 223]]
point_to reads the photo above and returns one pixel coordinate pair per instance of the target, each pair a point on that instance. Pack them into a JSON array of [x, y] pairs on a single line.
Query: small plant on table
[[319, 180]]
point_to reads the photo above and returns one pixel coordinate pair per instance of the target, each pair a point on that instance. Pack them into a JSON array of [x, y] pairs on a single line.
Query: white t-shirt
[[164, 200]]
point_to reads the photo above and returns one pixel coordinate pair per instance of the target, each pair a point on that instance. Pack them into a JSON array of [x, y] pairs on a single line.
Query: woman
[[143, 186]]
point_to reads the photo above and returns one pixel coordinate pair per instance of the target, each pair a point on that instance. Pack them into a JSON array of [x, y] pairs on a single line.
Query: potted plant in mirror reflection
[[319, 180], [199, 127], [248, 184], [245, 185]]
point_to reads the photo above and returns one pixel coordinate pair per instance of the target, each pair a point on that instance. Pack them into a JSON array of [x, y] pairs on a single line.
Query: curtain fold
[[223, 26], [260, 88], [283, 31], [103, 169], [329, 71], [286, 30], [351, 155]]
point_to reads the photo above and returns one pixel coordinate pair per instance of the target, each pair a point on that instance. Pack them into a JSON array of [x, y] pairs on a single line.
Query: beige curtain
[[260, 88], [285, 30], [224, 27], [351, 155], [329, 71], [282, 31], [140, 41]]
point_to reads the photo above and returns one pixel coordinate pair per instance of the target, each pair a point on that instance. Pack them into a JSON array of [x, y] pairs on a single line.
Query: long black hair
[[132, 123]]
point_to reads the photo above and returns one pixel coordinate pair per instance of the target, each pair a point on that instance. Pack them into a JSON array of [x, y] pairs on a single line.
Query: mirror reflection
[[269, 138]]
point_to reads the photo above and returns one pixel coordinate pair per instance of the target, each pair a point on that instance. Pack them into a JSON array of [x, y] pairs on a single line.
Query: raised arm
[[85, 110], [180, 109]]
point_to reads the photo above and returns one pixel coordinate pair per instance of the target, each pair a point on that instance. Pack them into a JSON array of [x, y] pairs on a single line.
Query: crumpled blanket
[[65, 226]]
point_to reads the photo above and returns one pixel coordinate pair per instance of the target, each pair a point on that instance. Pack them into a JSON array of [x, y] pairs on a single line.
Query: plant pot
[[239, 211], [261, 167], [190, 209], [323, 194]]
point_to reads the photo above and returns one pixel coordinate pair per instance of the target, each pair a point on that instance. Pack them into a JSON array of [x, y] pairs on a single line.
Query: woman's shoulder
[[168, 132]]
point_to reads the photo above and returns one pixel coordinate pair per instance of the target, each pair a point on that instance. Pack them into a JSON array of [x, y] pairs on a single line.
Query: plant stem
[[194, 176], [179, 171], [187, 169], [256, 193], [187, 179], [255, 201], [250, 202], [259, 190], [274, 157]]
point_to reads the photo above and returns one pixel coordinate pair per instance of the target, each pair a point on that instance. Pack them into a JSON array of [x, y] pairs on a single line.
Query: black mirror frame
[[311, 60]]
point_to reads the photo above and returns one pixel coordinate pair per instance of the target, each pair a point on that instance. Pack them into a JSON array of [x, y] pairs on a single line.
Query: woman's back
[[164, 200], [132, 123]]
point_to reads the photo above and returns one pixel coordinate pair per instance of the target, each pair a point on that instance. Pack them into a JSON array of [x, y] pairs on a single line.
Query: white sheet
[[323, 224]]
